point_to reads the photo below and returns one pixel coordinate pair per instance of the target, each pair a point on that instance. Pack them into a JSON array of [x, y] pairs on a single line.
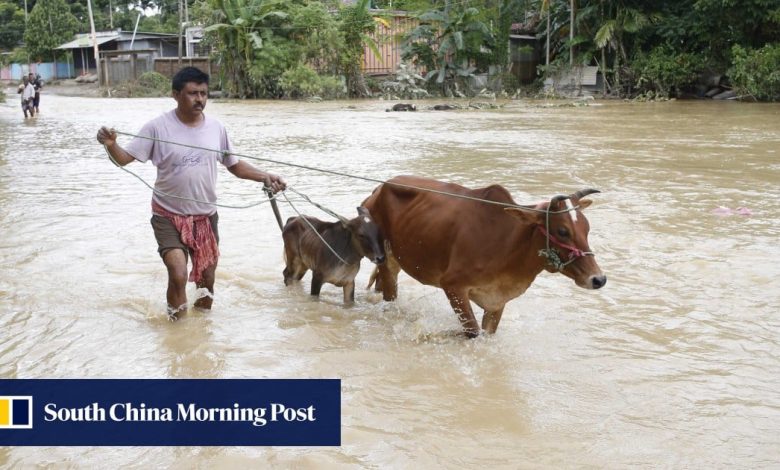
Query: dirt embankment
[[72, 88]]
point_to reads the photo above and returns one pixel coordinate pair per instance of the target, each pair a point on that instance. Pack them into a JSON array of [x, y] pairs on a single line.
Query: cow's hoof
[[470, 334]]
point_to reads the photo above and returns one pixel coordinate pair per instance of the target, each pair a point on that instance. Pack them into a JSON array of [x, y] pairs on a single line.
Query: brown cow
[[350, 239], [478, 251]]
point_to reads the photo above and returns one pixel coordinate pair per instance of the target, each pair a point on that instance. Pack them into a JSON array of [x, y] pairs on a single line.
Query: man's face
[[31, 77], [25, 80], [192, 98]]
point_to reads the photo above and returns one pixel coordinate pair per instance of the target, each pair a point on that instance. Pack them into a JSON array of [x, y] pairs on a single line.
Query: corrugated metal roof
[[85, 40]]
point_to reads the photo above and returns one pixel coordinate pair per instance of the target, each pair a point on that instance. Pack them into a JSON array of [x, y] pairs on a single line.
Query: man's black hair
[[189, 74]]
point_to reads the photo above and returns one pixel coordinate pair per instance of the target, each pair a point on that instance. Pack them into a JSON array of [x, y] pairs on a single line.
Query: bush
[[155, 81], [150, 84], [408, 84], [333, 87], [757, 72], [303, 82], [300, 82], [665, 72]]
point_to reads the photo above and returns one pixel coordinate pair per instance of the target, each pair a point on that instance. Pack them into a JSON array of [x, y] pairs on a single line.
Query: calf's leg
[[316, 283], [349, 292], [294, 268]]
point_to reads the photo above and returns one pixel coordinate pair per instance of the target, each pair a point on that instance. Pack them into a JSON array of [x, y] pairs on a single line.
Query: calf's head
[[564, 229], [366, 236]]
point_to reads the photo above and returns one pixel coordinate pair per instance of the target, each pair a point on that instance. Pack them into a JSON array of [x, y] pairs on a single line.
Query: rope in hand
[[336, 173], [163, 193], [271, 199]]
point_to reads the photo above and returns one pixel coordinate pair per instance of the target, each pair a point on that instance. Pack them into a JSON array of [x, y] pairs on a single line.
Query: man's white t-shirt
[[29, 92], [184, 171]]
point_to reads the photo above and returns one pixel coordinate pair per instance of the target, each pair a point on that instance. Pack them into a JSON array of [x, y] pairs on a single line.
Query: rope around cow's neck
[[553, 258]]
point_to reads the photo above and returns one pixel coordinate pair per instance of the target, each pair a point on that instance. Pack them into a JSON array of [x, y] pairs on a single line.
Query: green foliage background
[[264, 46]]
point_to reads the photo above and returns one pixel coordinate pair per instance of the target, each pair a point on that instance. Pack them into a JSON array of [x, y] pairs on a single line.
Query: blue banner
[[170, 412]]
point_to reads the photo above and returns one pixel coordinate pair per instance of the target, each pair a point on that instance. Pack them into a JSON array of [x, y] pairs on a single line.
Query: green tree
[[454, 39], [49, 24], [357, 23], [11, 25], [315, 32], [242, 30], [617, 19]]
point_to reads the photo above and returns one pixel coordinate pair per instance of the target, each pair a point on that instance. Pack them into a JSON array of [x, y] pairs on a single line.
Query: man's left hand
[[275, 182]]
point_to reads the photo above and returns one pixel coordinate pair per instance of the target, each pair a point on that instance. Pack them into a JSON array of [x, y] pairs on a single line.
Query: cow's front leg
[[490, 320], [460, 303], [349, 292], [316, 283]]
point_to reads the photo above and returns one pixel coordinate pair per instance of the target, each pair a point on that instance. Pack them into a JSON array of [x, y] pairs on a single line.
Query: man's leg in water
[[207, 281], [176, 262]]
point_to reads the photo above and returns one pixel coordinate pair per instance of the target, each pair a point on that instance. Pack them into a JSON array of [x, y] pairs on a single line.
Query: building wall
[[389, 42], [168, 66], [15, 72]]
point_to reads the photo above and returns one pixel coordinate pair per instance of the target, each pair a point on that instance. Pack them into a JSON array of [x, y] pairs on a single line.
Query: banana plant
[[241, 28], [455, 37]]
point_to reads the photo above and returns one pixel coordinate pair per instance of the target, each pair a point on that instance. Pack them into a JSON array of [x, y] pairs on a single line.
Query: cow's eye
[[562, 232]]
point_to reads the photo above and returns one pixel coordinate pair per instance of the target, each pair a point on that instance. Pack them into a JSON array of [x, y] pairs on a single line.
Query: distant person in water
[[184, 215], [37, 83], [27, 90]]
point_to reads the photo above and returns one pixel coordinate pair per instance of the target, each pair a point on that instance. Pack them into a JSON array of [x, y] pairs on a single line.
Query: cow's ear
[[584, 203], [363, 211], [529, 216]]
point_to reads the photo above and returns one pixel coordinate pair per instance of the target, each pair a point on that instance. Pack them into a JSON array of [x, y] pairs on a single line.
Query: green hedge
[[756, 72]]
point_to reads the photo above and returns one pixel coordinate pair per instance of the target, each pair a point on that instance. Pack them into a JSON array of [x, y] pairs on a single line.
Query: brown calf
[[350, 239]]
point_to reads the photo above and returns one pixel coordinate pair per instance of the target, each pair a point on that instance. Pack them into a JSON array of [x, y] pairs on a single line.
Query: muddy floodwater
[[675, 363]]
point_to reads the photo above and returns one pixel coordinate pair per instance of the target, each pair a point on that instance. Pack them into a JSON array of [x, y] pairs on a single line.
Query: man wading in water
[[189, 225]]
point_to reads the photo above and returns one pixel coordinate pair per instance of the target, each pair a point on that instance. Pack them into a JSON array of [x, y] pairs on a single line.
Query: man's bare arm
[[107, 137]]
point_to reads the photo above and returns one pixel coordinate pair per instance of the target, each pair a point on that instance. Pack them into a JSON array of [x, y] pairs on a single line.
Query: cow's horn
[[581, 194], [555, 200]]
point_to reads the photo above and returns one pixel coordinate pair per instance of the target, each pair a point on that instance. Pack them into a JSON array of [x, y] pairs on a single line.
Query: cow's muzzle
[[597, 282]]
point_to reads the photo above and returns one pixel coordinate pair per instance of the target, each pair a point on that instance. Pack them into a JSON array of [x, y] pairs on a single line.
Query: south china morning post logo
[[16, 412], [182, 412], [170, 412]]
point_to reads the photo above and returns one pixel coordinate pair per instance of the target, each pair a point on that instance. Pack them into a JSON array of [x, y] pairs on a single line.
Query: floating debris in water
[[725, 211]]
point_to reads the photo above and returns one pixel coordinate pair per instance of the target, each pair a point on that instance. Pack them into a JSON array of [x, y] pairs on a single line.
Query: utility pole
[[94, 39], [571, 35], [181, 29]]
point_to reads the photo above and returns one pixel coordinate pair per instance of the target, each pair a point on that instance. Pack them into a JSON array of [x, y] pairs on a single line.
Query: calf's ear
[[528, 216]]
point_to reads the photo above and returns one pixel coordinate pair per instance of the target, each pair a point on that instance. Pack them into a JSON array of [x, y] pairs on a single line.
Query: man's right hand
[[106, 136]]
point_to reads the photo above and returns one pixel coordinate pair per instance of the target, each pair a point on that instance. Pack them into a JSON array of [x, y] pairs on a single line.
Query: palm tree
[[619, 19]]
